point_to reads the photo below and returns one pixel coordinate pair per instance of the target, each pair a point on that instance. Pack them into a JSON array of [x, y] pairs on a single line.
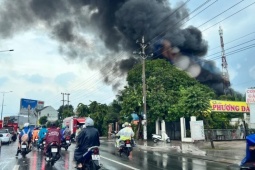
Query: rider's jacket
[[53, 135], [87, 138], [125, 133], [26, 131]]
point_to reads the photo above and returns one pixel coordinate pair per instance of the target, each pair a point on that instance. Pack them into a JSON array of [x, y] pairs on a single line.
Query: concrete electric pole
[[143, 57]]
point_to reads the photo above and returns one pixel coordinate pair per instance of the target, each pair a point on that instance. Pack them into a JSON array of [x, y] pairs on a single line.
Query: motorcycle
[[157, 138], [35, 143], [24, 148], [66, 143], [91, 159], [42, 144], [125, 147], [53, 153]]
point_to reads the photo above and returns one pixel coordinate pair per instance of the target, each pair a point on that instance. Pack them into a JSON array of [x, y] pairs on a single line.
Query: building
[[50, 112]]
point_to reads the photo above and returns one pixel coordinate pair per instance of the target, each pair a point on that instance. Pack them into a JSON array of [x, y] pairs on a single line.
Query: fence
[[225, 134]]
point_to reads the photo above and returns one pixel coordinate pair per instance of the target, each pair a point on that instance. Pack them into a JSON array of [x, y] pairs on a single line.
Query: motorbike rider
[[87, 138], [67, 132], [25, 134], [35, 133], [42, 134], [125, 134], [53, 135]]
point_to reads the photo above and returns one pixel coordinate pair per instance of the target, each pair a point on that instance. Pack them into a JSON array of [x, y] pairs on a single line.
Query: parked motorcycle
[[125, 147], [91, 159], [157, 138], [66, 143], [53, 153]]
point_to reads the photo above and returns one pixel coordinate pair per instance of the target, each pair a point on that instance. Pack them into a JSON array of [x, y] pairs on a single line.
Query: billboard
[[250, 96], [29, 107], [229, 106]]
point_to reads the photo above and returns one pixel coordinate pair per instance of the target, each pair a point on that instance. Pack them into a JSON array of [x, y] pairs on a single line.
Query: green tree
[[97, 112], [83, 110], [65, 111], [43, 120], [164, 91]]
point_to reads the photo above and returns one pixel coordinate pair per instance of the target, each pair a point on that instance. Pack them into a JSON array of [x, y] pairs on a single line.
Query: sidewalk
[[231, 152]]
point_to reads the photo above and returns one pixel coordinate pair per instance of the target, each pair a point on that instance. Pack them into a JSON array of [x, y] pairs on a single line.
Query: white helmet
[[26, 124], [89, 122]]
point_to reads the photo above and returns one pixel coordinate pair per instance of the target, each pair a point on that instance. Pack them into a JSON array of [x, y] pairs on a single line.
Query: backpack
[[25, 136]]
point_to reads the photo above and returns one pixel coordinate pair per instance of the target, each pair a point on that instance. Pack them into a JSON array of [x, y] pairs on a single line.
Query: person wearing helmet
[[25, 133], [35, 134], [87, 138], [42, 134], [53, 135], [67, 132], [125, 134]]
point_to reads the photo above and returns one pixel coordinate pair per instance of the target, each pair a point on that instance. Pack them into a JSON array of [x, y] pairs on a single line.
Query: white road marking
[[16, 167], [119, 163]]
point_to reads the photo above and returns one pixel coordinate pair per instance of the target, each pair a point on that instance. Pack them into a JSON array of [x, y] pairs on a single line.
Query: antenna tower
[[224, 64]]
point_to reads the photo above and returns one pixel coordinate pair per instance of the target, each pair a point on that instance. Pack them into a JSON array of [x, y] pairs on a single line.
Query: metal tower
[[224, 64]]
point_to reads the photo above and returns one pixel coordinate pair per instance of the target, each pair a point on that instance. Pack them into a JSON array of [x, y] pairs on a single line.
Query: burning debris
[[88, 29]]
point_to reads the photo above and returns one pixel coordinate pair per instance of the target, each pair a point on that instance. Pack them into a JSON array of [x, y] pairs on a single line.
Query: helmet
[[26, 124], [89, 122], [126, 124], [53, 124], [129, 124]]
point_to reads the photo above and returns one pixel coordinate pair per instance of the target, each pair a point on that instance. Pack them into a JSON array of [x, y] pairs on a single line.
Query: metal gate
[[173, 130]]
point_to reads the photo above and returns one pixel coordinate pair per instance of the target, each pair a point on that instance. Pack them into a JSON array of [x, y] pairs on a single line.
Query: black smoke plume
[[88, 29]]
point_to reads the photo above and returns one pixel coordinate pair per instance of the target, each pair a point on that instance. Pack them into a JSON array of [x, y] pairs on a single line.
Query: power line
[[233, 40], [228, 16], [221, 13]]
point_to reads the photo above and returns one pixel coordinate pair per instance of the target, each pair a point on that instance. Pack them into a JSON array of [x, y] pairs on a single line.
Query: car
[[12, 132], [7, 137], [1, 140]]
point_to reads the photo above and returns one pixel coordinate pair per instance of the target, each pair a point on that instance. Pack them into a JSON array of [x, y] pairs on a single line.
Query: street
[[109, 159]]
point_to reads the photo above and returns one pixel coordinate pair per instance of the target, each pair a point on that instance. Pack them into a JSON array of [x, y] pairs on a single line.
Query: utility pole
[[143, 57], [63, 106], [67, 100]]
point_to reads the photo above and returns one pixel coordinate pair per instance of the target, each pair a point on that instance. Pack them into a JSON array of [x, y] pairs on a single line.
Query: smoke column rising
[[117, 23]]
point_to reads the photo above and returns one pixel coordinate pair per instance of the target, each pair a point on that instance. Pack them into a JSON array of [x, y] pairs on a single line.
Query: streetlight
[[7, 50], [3, 102]]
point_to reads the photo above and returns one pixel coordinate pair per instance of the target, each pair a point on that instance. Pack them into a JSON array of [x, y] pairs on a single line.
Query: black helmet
[[53, 124]]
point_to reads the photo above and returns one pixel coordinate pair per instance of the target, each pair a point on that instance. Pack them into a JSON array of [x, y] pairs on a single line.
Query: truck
[[72, 122]]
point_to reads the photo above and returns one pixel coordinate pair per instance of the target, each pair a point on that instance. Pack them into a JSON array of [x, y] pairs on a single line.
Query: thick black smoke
[[117, 23]]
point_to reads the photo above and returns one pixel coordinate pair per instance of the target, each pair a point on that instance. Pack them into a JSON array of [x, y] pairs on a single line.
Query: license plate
[[23, 146], [95, 157], [36, 139], [67, 141], [54, 149], [128, 145], [43, 142]]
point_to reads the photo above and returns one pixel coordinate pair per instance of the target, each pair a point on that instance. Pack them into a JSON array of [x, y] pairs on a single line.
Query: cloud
[[65, 78], [35, 78], [3, 80], [252, 72]]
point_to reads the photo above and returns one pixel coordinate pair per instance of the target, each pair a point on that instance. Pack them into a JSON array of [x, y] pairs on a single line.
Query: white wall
[[50, 112]]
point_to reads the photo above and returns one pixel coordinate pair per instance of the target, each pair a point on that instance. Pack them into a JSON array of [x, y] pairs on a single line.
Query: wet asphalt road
[[110, 160]]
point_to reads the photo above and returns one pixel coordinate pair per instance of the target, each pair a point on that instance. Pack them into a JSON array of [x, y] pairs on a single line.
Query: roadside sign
[[250, 96]]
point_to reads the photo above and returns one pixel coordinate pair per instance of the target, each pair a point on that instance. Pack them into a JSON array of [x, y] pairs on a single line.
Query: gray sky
[[41, 67]]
